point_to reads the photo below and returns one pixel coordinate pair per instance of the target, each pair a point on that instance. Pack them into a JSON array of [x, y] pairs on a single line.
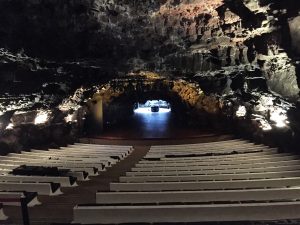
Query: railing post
[[25, 214]]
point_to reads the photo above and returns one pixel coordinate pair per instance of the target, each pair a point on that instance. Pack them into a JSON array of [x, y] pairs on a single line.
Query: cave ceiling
[[239, 50]]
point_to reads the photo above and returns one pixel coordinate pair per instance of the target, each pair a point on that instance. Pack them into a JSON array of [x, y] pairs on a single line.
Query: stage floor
[[153, 126]]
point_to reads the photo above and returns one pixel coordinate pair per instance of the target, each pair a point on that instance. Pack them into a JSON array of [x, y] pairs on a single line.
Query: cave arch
[[117, 98]]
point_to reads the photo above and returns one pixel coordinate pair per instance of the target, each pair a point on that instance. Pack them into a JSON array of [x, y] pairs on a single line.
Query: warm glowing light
[[279, 117], [241, 112], [148, 110], [41, 117], [265, 125], [69, 118], [265, 102], [9, 126]]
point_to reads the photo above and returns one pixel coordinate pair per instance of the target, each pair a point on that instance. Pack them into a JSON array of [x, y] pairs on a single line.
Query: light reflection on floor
[[152, 125]]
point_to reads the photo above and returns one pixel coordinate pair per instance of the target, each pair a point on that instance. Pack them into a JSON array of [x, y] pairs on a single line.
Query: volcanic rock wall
[[239, 51]]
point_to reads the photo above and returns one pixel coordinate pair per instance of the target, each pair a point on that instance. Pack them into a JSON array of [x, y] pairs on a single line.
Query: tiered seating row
[[222, 181], [217, 148], [44, 172], [21, 199]]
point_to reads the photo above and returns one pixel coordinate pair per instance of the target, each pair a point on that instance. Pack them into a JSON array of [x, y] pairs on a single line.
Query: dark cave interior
[[87, 84], [220, 62]]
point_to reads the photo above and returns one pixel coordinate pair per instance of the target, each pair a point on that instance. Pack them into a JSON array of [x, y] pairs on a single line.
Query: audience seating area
[[232, 180], [26, 175]]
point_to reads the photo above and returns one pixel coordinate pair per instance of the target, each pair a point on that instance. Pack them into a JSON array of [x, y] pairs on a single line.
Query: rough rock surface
[[55, 54]]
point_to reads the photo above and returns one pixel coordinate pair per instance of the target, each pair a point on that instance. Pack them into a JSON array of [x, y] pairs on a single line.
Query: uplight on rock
[[41, 117], [241, 111]]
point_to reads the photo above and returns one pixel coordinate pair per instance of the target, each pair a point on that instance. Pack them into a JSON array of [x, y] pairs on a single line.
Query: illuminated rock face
[[237, 51], [180, 36]]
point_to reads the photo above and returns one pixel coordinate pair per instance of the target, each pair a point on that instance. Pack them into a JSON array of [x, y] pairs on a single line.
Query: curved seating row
[[44, 172], [207, 182]]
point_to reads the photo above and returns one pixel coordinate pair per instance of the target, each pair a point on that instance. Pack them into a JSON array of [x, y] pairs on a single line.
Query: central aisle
[[59, 209]]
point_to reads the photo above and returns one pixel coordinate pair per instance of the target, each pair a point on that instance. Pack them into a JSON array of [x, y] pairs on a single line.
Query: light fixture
[[41, 117], [241, 112], [69, 118], [279, 117], [10, 126]]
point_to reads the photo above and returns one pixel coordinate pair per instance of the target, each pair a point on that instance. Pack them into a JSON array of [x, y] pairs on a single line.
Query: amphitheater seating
[[21, 199], [40, 188], [197, 196], [15, 198], [45, 172], [63, 181], [220, 181], [186, 213]]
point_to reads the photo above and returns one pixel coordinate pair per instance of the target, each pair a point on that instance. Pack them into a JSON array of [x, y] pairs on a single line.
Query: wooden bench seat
[[80, 175], [63, 181], [67, 156], [216, 157], [208, 148], [109, 147], [195, 154], [112, 145], [124, 147], [183, 178], [218, 166], [7, 166], [92, 171], [206, 185], [209, 172], [40, 188], [152, 157], [77, 154], [208, 151], [205, 144], [14, 198], [120, 154], [86, 214], [94, 150], [85, 151], [198, 196], [54, 163], [211, 149], [58, 159], [217, 162], [57, 163], [110, 158]]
